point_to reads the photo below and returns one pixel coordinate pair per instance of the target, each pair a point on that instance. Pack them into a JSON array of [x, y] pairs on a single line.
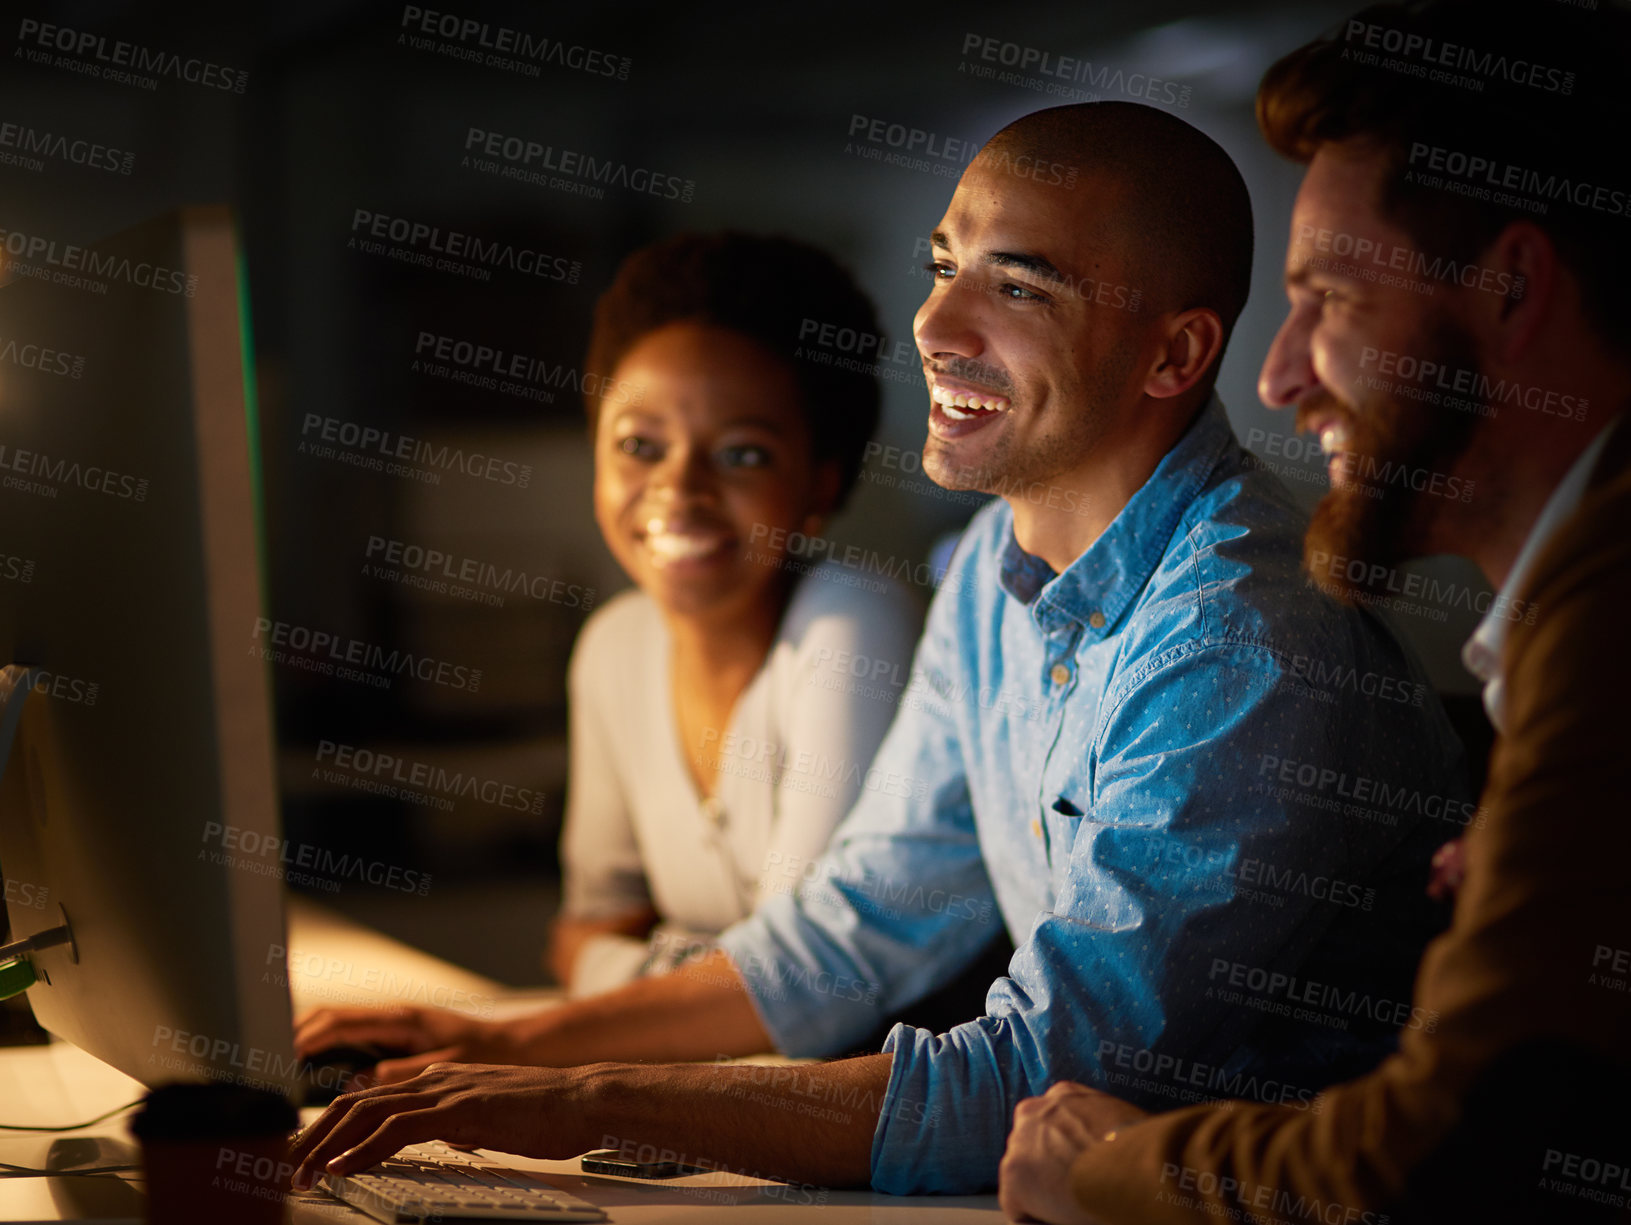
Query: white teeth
[[675, 546], [948, 398]]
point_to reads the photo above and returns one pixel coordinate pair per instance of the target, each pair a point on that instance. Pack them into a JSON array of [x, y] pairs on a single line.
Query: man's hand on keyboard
[[432, 1034], [529, 1111]]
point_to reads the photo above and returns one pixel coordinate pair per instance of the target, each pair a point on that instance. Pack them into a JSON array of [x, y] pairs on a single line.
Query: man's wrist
[[533, 1039]]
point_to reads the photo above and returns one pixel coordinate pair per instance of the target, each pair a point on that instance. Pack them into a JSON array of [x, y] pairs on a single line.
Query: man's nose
[[947, 323], [1288, 370]]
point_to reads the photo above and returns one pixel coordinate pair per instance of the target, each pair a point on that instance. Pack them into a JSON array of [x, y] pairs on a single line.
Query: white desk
[[59, 1083]]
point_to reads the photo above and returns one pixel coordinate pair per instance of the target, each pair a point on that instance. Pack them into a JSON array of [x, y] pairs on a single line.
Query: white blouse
[[791, 763]]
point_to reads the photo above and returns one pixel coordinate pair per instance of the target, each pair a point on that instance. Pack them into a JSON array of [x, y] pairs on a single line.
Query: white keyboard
[[432, 1182]]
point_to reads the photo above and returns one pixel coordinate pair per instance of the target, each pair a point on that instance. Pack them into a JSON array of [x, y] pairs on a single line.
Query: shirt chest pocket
[[1061, 821]]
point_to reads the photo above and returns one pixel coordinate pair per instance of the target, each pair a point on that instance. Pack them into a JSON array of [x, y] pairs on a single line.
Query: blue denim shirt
[[1173, 770]]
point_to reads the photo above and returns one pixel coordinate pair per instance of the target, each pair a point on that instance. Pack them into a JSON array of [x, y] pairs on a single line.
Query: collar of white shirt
[[1482, 652]]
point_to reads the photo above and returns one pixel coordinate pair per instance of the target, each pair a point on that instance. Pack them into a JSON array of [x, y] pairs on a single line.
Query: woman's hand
[[430, 1035], [1050, 1132], [535, 1112]]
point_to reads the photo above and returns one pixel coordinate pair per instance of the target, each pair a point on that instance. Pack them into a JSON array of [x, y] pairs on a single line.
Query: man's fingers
[[396, 1132], [394, 1071], [345, 1125], [1011, 1199], [354, 1027]]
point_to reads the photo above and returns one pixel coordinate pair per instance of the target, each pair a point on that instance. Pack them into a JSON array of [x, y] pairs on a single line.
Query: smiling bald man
[[1129, 732]]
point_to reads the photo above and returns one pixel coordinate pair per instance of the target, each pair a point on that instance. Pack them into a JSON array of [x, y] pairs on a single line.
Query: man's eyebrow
[[1041, 265]]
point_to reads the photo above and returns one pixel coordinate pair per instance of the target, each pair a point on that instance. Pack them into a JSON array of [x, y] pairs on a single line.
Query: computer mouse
[[326, 1075]]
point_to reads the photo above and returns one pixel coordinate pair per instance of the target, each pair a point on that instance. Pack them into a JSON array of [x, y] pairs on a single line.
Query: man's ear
[[1194, 341], [1523, 258]]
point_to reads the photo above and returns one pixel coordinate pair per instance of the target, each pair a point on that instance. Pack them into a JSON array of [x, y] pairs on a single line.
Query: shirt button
[[1036, 826], [1060, 674], [1096, 620]]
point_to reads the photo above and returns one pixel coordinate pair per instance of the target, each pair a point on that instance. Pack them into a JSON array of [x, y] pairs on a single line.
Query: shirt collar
[[1096, 588], [1482, 652]]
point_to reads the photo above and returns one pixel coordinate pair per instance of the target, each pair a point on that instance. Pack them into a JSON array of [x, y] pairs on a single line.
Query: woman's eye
[[938, 271], [640, 448], [745, 456]]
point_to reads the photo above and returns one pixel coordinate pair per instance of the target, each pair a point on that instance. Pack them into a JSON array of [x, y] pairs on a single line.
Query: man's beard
[[1362, 530]]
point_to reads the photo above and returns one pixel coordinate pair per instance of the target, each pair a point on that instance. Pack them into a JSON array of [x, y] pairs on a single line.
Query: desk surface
[[57, 1084]]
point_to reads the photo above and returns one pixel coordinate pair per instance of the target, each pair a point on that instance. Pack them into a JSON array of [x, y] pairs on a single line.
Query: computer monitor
[[130, 582]]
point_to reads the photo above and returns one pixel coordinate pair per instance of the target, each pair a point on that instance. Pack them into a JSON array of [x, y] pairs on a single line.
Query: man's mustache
[[972, 370]]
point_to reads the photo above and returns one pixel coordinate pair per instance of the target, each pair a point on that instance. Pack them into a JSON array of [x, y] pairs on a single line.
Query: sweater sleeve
[[600, 856], [1520, 990]]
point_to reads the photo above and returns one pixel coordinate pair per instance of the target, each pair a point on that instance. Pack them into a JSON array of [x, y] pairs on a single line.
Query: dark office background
[[757, 108]]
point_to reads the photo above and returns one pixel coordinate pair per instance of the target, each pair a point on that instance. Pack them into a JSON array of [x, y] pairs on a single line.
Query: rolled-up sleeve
[[900, 901], [1117, 975]]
